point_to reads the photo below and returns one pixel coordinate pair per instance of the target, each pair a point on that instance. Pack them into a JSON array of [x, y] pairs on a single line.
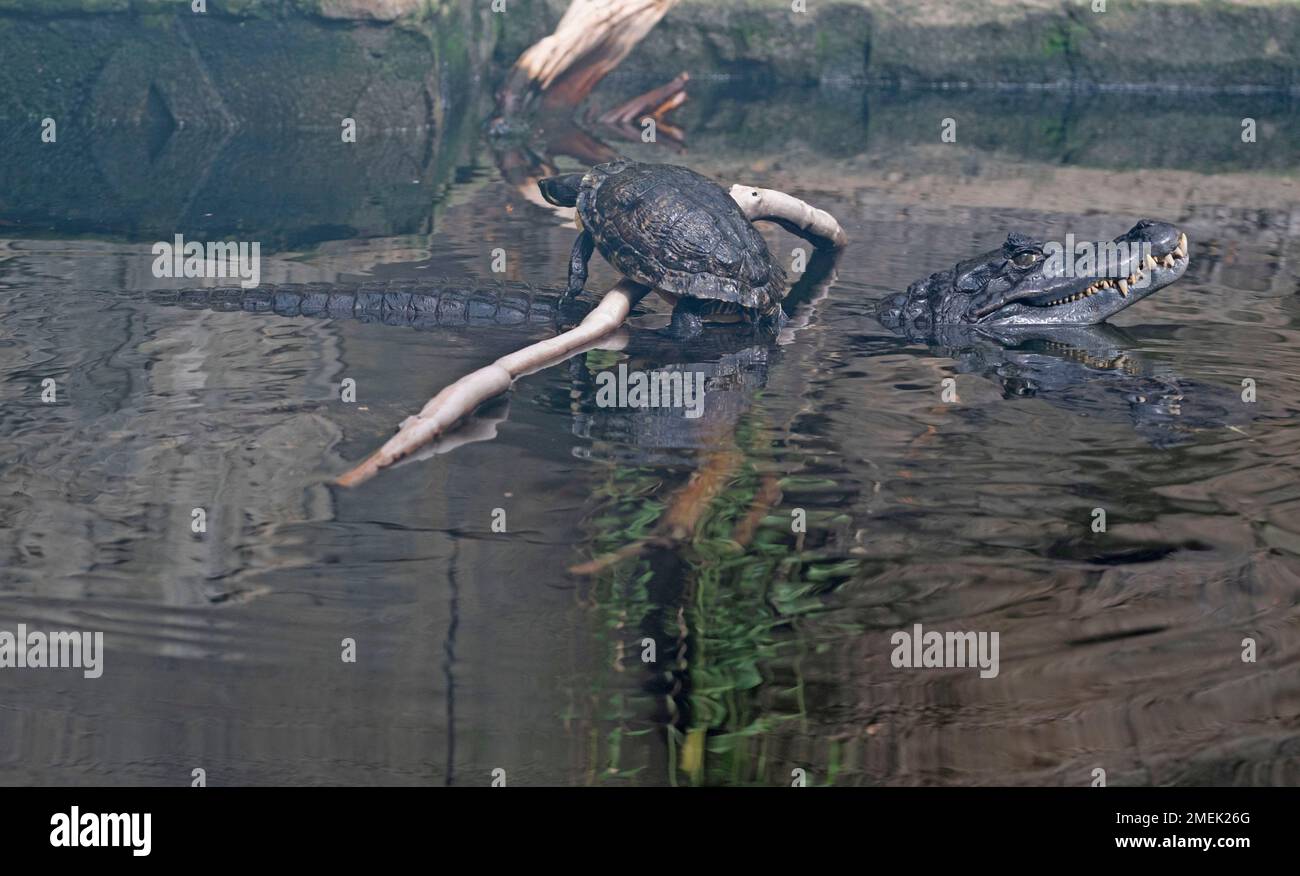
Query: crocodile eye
[[1025, 259]]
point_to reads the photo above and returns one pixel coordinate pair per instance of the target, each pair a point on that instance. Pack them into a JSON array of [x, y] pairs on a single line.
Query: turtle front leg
[[582, 249]]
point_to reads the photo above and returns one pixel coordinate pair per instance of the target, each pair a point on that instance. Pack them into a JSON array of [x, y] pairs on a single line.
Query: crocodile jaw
[[1088, 300]]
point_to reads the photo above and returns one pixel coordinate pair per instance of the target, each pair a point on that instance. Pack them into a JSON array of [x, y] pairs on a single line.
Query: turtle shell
[[672, 229]]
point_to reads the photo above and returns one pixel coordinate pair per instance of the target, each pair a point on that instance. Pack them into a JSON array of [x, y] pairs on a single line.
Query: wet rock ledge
[[1225, 45]]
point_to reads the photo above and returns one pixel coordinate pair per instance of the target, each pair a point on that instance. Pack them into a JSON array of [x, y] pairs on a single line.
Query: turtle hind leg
[[578, 258], [773, 321], [687, 321]]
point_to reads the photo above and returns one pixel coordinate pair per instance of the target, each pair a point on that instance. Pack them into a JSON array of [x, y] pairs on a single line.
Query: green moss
[[1063, 38]]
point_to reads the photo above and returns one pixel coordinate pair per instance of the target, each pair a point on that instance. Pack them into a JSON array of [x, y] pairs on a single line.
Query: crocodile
[[1027, 281], [1011, 318], [1009, 286]]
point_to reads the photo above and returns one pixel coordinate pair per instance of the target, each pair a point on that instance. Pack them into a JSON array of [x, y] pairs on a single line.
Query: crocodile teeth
[[1150, 262], [1123, 288], [1169, 261]]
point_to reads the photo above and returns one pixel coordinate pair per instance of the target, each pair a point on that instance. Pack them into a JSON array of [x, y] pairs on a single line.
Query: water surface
[[477, 650]]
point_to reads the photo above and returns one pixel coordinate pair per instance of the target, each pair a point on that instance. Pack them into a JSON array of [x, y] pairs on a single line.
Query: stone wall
[[1226, 44]]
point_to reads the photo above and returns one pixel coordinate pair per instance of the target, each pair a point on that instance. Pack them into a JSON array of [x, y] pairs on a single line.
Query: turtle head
[[561, 190]]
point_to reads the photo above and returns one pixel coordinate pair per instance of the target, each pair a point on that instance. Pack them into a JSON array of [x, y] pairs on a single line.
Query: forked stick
[[460, 399]]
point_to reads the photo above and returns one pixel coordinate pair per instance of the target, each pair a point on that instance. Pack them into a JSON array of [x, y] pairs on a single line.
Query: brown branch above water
[[592, 38]]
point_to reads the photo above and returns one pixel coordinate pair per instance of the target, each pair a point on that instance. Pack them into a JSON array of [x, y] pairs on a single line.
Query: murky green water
[[477, 650]]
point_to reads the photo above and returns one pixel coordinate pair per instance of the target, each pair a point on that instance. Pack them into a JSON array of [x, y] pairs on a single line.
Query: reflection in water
[[478, 650], [722, 569], [1096, 371]]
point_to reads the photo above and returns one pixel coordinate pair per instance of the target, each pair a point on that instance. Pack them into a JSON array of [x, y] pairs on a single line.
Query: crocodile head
[[1034, 282]]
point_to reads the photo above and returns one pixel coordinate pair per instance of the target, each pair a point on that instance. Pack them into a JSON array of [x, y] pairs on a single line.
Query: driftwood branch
[[592, 38], [655, 103], [798, 217], [482, 424], [459, 400]]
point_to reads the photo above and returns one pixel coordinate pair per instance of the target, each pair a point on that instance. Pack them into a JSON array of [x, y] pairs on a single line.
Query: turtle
[[677, 232]]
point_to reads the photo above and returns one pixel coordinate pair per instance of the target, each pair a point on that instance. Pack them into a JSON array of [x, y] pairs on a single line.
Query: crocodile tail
[[442, 303]]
